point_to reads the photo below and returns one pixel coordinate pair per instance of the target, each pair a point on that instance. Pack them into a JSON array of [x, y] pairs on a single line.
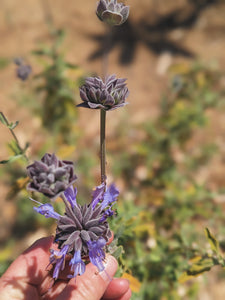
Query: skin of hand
[[29, 278]]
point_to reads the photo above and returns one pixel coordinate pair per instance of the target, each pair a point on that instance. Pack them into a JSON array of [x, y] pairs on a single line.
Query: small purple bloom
[[23, 71], [110, 196], [112, 12], [96, 253], [77, 264], [71, 194], [58, 258], [97, 195], [108, 213], [107, 95], [47, 210]]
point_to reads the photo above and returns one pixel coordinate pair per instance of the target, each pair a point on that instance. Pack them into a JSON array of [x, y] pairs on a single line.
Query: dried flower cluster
[[50, 176], [107, 95], [112, 12]]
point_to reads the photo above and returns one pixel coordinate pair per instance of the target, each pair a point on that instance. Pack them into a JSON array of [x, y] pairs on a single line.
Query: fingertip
[[126, 296], [117, 288]]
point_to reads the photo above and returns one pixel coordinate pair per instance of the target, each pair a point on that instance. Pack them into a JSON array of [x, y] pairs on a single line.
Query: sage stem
[[102, 145]]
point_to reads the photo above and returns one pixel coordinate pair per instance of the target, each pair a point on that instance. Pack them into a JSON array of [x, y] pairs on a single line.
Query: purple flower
[[58, 258], [112, 12], [96, 253], [50, 176], [47, 210], [77, 264], [23, 71], [108, 213], [97, 195], [83, 231], [71, 194], [107, 95], [110, 196]]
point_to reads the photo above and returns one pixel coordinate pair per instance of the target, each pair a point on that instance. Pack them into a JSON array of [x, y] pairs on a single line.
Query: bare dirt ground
[[158, 34]]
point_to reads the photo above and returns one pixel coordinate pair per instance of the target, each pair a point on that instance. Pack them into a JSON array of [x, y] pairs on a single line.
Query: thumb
[[91, 285]]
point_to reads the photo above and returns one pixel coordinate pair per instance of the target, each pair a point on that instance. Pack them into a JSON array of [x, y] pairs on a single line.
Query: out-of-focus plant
[[159, 170], [50, 96], [14, 145], [54, 89]]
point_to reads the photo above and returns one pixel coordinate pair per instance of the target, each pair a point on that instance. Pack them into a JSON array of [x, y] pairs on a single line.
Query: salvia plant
[[83, 231]]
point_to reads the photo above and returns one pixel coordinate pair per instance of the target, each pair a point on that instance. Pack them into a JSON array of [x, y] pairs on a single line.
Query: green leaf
[[214, 244], [201, 266], [13, 125], [2, 119], [115, 250], [14, 147], [11, 159]]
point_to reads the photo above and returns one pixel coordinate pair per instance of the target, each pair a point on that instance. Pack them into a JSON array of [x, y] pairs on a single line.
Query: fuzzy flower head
[[107, 95], [50, 176], [83, 231], [112, 12]]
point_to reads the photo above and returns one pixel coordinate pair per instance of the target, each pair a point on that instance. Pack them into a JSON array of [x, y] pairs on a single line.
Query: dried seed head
[[107, 95], [50, 176], [112, 12]]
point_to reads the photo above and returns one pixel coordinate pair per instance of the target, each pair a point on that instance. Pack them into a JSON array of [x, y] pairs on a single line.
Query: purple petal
[[77, 265], [96, 253], [47, 210], [71, 194], [58, 258], [110, 196], [97, 195]]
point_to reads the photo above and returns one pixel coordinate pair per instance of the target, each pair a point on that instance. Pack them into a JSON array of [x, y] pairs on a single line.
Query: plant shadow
[[154, 35]]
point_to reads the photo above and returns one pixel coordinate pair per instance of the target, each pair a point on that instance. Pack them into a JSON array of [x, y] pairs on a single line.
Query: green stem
[[102, 146], [14, 136]]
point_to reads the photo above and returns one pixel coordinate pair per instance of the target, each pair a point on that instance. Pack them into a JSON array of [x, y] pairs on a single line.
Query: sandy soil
[[158, 34]]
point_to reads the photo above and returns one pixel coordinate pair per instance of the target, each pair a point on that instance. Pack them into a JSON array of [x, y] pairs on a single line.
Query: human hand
[[28, 279]]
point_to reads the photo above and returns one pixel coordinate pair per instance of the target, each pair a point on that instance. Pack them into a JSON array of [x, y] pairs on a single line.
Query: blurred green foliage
[[50, 93], [159, 170], [163, 209], [57, 109]]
